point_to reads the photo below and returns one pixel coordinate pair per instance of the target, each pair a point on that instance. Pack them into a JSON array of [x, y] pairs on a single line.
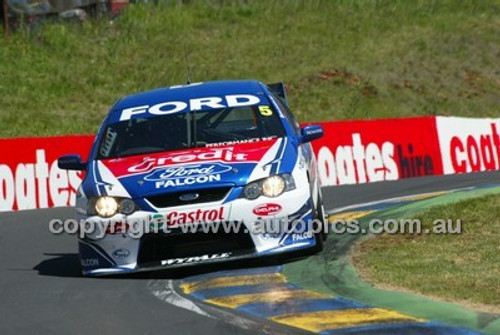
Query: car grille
[[157, 247], [204, 195]]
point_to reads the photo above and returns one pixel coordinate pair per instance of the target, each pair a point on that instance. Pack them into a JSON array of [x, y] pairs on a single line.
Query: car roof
[[189, 91]]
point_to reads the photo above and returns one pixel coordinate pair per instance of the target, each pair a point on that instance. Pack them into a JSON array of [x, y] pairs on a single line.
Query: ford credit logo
[[182, 172], [189, 197]]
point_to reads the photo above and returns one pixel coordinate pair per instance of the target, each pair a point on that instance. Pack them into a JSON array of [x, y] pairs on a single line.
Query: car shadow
[[68, 265], [201, 269], [61, 265]]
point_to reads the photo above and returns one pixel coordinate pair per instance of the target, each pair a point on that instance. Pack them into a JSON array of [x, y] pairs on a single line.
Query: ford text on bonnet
[[208, 172]]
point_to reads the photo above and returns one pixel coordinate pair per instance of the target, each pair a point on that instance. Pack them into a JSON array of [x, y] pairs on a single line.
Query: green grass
[[462, 267], [340, 59]]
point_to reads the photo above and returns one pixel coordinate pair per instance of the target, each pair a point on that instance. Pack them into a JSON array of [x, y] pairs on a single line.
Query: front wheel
[[320, 233], [321, 218]]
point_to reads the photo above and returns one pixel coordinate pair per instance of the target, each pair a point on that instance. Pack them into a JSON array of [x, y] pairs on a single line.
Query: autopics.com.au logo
[[270, 227]]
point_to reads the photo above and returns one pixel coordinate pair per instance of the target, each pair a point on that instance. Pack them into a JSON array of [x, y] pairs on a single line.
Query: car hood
[[174, 171]]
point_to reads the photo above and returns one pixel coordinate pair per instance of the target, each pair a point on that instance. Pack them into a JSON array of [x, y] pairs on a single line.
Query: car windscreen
[[215, 127]]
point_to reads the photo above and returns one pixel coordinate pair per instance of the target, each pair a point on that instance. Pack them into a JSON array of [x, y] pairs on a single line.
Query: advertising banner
[[353, 152], [469, 145], [29, 176]]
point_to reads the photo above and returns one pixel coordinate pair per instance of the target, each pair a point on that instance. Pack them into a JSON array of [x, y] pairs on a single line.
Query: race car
[[198, 174]]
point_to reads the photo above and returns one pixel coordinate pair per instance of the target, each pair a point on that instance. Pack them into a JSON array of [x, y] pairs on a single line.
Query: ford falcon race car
[[198, 173]]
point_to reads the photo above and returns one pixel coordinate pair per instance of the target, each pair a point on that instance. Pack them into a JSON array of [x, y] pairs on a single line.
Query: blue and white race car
[[198, 173]]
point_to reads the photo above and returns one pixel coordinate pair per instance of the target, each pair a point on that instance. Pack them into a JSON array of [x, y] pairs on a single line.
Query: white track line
[[402, 198], [165, 291]]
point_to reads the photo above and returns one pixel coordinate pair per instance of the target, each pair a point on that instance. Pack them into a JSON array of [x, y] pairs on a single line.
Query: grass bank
[[461, 267], [332, 271], [340, 59]]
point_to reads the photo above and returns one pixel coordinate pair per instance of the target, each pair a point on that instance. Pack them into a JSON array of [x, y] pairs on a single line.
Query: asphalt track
[[42, 292]]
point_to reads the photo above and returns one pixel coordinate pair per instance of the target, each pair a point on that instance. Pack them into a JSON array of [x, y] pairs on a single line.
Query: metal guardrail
[[17, 12], [41, 7]]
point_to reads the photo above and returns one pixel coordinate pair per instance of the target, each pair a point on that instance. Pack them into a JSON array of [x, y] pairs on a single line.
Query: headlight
[[271, 187], [109, 206], [252, 191], [106, 206], [127, 206]]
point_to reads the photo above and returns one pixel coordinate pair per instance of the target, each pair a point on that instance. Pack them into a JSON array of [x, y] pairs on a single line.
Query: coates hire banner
[[354, 152], [469, 145], [350, 152], [29, 176]]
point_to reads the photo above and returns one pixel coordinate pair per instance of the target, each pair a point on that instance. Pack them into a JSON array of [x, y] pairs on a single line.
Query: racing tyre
[[321, 217]]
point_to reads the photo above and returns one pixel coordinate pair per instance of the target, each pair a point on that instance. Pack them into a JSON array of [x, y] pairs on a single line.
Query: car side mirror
[[311, 133], [71, 162]]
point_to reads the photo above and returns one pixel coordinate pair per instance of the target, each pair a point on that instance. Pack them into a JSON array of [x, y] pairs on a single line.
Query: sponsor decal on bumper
[[175, 218], [267, 209], [121, 253], [195, 259]]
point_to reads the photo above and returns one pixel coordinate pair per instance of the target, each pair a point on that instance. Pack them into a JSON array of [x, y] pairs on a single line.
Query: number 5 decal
[[265, 111]]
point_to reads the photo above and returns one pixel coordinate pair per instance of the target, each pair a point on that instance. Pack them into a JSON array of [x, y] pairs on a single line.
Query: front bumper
[[120, 253]]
